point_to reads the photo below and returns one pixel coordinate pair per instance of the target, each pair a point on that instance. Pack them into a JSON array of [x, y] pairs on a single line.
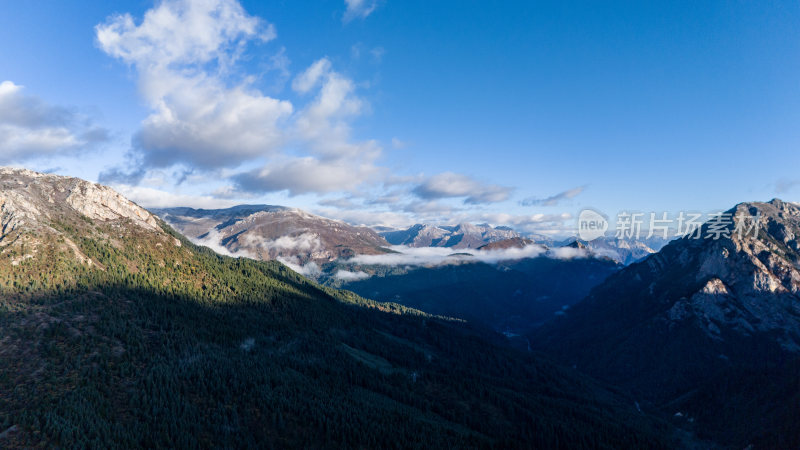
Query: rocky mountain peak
[[50, 218], [461, 236], [705, 318], [274, 232], [34, 199]]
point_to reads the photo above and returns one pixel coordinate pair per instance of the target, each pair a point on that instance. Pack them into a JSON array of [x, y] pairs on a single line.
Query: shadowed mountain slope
[[707, 329], [118, 333]]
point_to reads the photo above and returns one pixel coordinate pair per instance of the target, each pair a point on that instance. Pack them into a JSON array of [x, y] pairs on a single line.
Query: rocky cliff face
[[36, 198], [36, 208], [270, 232], [699, 317]]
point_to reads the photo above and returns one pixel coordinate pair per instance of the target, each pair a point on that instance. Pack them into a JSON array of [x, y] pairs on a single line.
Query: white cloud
[[156, 198], [358, 9], [548, 224], [305, 242], [347, 275], [183, 52], [311, 76], [206, 113], [553, 200], [398, 144], [368, 218], [323, 128], [426, 208], [305, 175], [310, 270], [205, 117], [569, 253], [340, 203], [450, 185], [436, 256], [212, 240], [323, 123], [31, 128]]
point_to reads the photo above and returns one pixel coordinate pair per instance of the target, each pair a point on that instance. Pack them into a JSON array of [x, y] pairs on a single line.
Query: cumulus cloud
[[205, 116], [311, 76], [453, 185], [358, 9], [305, 175], [323, 123], [553, 200], [156, 198], [31, 128], [337, 162], [183, 52]]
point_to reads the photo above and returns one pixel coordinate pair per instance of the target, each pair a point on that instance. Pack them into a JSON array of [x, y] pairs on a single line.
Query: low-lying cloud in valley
[[346, 275], [305, 242], [437, 256]]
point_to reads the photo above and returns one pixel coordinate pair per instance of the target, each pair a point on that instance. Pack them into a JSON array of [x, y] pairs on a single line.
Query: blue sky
[[390, 112]]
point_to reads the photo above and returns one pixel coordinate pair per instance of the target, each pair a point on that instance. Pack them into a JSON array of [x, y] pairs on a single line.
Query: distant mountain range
[[706, 330], [511, 296], [689, 328], [267, 232], [461, 236], [625, 251], [118, 332]]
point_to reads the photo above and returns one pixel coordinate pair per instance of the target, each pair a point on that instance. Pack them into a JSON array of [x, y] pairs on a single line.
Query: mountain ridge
[[267, 232], [679, 326], [151, 341], [461, 236]]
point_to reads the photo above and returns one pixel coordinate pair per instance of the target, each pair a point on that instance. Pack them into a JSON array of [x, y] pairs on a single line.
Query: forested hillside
[[120, 333]]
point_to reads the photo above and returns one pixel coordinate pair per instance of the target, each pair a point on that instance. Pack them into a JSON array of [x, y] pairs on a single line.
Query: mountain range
[[461, 236], [707, 330], [623, 250], [116, 331], [512, 294], [267, 232]]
